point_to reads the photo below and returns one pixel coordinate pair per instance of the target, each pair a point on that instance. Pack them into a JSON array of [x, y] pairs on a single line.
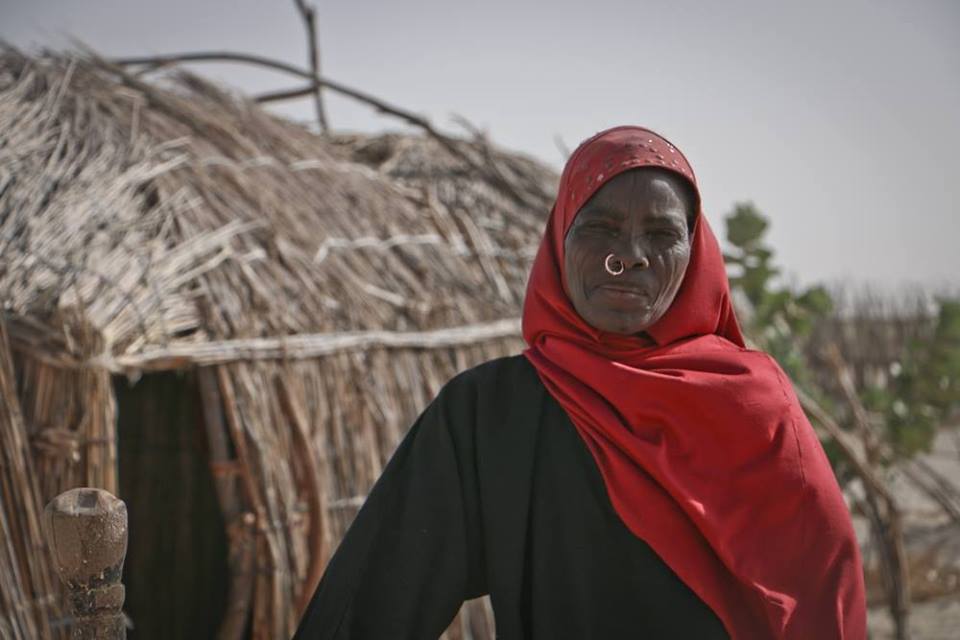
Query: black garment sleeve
[[414, 552]]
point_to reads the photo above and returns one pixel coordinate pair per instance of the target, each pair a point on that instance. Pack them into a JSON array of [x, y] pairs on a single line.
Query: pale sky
[[839, 119]]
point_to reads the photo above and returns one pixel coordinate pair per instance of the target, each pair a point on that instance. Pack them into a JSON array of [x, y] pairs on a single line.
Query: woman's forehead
[[641, 182], [648, 189], [611, 153]]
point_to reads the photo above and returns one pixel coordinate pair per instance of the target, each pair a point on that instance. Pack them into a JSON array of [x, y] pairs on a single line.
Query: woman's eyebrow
[[612, 212], [602, 210], [662, 218]]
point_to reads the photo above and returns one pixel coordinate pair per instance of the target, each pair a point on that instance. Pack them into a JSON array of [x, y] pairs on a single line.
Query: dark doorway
[[176, 568]]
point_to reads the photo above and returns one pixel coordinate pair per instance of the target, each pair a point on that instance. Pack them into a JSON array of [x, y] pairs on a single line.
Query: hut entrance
[[176, 568]]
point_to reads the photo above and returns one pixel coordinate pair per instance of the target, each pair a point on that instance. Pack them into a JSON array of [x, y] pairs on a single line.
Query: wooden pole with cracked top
[[87, 532]]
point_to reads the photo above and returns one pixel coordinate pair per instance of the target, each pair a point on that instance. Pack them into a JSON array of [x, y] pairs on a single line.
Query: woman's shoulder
[[481, 399], [493, 380], [494, 372]]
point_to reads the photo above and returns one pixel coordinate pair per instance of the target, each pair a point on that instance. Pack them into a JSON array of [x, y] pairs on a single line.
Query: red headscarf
[[702, 445]]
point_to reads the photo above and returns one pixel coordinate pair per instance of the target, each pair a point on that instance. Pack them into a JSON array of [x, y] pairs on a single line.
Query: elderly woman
[[635, 473]]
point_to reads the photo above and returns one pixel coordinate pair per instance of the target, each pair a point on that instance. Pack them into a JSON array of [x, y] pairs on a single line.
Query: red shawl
[[702, 445]]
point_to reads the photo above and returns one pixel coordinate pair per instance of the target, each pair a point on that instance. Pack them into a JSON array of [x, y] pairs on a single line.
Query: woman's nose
[[639, 261], [642, 262], [634, 253]]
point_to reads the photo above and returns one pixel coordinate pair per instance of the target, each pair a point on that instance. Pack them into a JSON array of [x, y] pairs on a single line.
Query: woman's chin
[[626, 323]]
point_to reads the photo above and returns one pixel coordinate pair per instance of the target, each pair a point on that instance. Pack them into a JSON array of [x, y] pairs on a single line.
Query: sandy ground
[[931, 620], [928, 534]]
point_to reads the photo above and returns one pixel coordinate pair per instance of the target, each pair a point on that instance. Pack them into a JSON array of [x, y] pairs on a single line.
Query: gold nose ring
[[614, 271]]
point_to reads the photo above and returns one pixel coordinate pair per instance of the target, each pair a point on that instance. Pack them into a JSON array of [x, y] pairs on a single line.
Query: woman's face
[[640, 216]]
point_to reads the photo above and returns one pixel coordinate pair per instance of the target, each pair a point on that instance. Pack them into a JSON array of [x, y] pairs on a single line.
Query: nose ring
[[614, 271]]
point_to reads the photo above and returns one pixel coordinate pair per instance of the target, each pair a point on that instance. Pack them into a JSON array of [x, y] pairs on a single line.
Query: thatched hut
[[229, 323]]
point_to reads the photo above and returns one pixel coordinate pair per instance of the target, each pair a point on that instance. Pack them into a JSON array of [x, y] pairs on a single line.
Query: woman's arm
[[414, 552]]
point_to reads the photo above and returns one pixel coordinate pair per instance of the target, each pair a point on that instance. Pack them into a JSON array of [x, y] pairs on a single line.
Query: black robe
[[494, 492]]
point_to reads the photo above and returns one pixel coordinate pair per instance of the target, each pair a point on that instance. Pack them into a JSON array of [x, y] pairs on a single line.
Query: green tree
[[781, 318], [923, 391]]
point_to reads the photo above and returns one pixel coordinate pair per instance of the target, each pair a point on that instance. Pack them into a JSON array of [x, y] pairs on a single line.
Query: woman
[[636, 472]]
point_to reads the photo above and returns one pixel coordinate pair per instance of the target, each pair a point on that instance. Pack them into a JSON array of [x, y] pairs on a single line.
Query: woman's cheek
[[678, 265]]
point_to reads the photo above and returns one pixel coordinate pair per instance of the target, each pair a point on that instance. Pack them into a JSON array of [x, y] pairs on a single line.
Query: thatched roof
[[169, 218], [320, 289]]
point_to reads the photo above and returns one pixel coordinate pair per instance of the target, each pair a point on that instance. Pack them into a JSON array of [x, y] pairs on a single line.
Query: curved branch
[[157, 62], [889, 529], [287, 94]]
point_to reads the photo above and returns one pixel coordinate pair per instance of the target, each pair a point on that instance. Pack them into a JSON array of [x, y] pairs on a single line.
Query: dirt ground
[[931, 620], [933, 544]]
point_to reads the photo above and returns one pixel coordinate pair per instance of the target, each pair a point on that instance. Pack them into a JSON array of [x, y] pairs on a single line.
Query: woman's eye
[[605, 227], [665, 234]]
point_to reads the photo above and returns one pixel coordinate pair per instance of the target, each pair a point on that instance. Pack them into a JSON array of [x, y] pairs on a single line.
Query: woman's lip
[[624, 290]]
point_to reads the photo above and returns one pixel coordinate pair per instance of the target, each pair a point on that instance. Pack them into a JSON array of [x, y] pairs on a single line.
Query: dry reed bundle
[[27, 594], [325, 287]]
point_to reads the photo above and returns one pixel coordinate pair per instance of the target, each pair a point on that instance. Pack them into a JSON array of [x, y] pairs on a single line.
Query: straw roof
[[323, 287], [170, 218]]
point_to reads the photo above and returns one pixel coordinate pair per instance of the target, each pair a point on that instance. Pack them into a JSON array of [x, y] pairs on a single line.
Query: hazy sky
[[840, 119]]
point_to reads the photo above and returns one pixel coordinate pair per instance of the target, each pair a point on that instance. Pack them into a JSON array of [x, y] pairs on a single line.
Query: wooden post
[[87, 531]]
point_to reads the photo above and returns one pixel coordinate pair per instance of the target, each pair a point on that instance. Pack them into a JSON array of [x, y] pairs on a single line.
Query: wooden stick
[[309, 15], [298, 347], [287, 94], [87, 529], [313, 490], [240, 535], [156, 62], [892, 530]]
